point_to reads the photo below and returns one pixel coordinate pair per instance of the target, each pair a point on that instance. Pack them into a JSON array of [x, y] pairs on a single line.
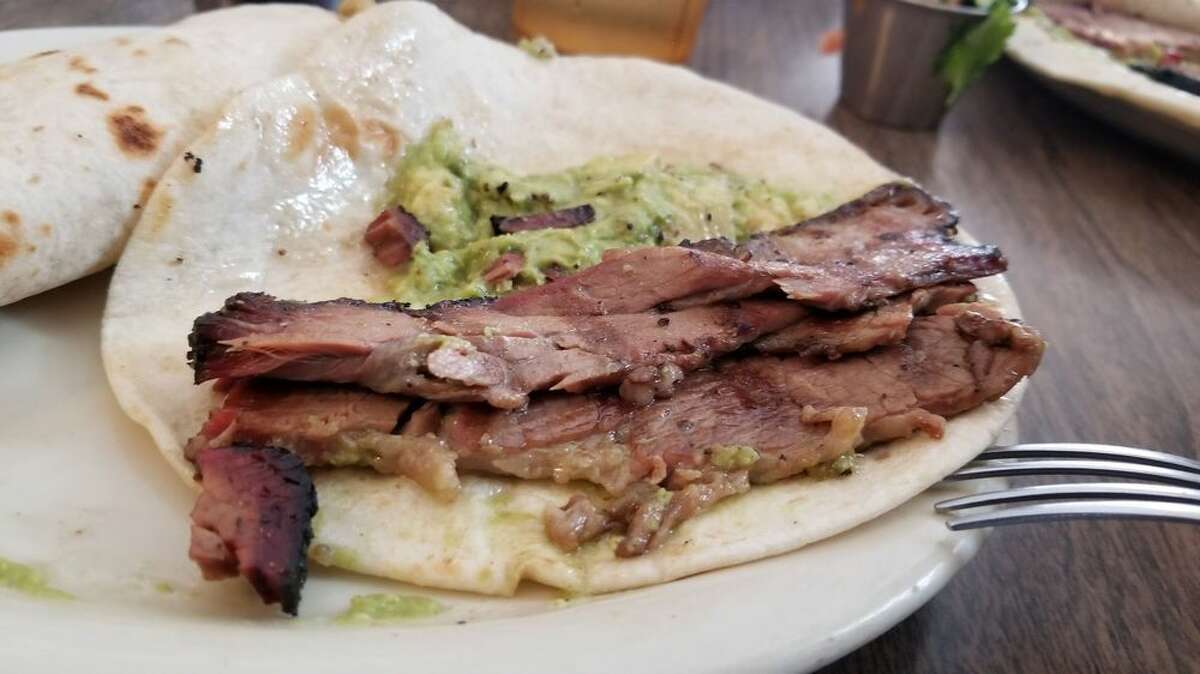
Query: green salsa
[[334, 555], [28, 580], [638, 200], [381, 608], [733, 457], [843, 465]]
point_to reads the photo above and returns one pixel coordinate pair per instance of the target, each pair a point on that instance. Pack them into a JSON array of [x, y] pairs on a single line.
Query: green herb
[[974, 50]]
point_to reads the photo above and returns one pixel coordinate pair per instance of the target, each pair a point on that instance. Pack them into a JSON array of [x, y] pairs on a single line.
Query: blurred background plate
[[1102, 87]]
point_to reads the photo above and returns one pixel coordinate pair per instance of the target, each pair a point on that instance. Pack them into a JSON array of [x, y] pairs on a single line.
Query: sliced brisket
[[767, 416], [833, 335], [254, 519], [891, 240], [470, 352]]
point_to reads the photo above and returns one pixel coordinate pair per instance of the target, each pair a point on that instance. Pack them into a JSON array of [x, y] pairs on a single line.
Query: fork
[[1173, 495]]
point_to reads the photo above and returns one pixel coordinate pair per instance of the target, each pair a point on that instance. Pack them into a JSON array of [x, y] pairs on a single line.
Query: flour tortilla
[[298, 167], [87, 131], [1036, 46]]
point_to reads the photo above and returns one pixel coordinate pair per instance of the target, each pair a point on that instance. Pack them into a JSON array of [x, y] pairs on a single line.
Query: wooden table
[[1104, 238]]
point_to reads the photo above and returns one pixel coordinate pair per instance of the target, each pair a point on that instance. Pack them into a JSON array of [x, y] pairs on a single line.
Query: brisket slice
[[833, 335], [254, 519], [334, 426], [891, 240], [468, 351]]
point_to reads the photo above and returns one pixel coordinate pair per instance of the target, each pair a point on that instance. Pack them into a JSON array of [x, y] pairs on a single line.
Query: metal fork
[[1173, 495]]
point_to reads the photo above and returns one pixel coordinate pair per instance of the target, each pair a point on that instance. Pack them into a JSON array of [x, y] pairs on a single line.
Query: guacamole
[[28, 580], [638, 200], [380, 608]]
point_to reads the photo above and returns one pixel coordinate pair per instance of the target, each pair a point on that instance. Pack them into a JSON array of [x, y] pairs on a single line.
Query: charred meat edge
[[254, 519]]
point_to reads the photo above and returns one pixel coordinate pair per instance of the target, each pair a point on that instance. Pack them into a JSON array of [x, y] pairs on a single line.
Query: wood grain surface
[[1103, 235]]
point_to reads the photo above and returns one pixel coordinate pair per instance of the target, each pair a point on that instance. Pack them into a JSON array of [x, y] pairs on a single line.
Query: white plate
[[1103, 87], [85, 497]]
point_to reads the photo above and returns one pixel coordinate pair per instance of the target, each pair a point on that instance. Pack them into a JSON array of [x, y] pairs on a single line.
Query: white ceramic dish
[[1098, 85], [86, 497]]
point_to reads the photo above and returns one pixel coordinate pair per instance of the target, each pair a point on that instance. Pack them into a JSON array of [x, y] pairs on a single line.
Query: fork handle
[[1081, 509]]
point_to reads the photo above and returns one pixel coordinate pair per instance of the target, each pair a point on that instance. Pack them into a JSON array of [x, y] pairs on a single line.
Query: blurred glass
[[205, 5], [659, 29]]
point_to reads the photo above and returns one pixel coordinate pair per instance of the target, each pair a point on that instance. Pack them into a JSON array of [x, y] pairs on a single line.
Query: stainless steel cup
[[890, 57]]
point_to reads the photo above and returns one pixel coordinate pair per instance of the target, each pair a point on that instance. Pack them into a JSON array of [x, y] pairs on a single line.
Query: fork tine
[[1028, 467], [1071, 450], [1071, 510], [1073, 491]]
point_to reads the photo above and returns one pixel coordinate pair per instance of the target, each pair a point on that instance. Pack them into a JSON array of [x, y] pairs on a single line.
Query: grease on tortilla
[[343, 130], [300, 132]]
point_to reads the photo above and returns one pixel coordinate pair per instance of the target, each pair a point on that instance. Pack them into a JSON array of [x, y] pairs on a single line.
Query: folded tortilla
[[88, 131], [300, 167]]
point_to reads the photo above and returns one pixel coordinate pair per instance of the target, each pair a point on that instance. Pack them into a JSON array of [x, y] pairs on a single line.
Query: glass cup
[[660, 29]]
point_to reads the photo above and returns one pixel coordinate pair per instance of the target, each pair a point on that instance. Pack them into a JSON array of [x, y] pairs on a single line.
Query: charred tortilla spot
[[86, 89], [383, 134], [10, 241], [343, 130], [300, 132], [175, 41], [45, 53], [159, 211], [147, 188], [80, 64], [133, 133], [139, 52], [38, 128], [45, 228], [195, 162], [8, 246], [11, 218], [122, 41]]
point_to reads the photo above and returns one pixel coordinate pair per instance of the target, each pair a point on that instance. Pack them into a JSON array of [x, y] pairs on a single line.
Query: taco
[[88, 130], [593, 322]]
